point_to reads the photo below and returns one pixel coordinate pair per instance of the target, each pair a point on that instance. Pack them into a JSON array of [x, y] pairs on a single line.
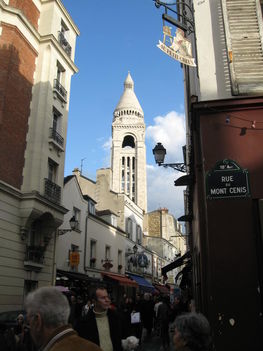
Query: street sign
[[227, 180]]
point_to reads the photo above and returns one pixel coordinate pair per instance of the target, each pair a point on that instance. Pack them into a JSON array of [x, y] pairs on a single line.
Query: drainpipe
[[85, 242], [54, 268]]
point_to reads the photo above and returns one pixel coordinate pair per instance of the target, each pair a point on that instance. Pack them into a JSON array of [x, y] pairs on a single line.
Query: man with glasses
[[47, 315], [102, 324]]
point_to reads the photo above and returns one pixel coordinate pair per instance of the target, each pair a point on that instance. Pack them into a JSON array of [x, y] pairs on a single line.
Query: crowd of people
[[55, 322]]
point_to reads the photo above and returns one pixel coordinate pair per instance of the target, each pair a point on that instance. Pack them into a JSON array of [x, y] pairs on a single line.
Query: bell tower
[[128, 154]]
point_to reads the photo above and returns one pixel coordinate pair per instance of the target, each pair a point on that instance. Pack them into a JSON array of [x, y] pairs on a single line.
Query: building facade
[[224, 102], [37, 43], [163, 235]]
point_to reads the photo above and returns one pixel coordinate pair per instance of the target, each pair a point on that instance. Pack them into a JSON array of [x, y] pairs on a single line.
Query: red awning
[[121, 279], [162, 289]]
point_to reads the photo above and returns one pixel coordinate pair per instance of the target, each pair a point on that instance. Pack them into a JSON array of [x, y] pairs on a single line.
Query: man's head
[[47, 309], [103, 300]]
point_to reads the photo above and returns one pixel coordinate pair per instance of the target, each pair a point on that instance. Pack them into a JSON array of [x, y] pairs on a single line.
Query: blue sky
[[117, 36]]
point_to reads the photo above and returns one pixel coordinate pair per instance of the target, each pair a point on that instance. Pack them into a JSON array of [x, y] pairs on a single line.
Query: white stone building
[[37, 43]]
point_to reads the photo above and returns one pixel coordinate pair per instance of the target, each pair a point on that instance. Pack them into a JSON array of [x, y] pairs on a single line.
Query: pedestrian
[[47, 313], [156, 321], [126, 310], [102, 325], [192, 332], [147, 313], [164, 313]]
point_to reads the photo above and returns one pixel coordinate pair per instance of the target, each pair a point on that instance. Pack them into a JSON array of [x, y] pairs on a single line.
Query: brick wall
[[28, 8], [17, 67]]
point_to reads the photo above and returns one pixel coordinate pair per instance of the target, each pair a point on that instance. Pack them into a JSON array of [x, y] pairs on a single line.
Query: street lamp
[[159, 154], [135, 249], [73, 225]]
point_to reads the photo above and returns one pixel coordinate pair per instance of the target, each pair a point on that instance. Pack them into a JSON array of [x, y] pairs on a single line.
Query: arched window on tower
[[128, 141]]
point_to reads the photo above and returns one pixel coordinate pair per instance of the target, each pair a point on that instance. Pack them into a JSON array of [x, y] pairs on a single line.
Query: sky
[[117, 36]]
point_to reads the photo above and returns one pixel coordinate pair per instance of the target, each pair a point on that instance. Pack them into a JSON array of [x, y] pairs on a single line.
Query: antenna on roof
[[81, 164]]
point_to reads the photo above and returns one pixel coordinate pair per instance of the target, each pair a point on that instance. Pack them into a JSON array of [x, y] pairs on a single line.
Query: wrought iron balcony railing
[[60, 89], [35, 254], [52, 191], [64, 43], [53, 134]]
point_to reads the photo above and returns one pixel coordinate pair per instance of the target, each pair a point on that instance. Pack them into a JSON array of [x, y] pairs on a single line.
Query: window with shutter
[[244, 37]]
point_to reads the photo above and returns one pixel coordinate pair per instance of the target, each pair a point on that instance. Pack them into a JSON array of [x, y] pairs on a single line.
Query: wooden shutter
[[243, 29]]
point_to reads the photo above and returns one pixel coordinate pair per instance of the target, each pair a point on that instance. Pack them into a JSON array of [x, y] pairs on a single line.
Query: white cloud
[[162, 192], [107, 144], [170, 131], [106, 147]]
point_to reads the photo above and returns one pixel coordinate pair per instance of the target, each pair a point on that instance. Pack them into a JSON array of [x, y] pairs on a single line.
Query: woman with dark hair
[[192, 332]]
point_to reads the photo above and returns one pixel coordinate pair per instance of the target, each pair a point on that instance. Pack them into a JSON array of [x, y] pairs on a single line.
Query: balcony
[[64, 43], [55, 136], [34, 258], [52, 191], [60, 90]]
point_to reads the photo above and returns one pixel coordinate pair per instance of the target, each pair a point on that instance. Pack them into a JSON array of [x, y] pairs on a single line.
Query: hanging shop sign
[[74, 258], [227, 180], [177, 47]]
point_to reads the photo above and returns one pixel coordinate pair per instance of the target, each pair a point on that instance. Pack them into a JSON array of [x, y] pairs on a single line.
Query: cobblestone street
[[155, 344]]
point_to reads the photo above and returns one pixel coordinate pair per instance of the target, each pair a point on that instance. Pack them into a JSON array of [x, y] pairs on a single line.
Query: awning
[[143, 283], [178, 262], [75, 275], [121, 279], [162, 289]]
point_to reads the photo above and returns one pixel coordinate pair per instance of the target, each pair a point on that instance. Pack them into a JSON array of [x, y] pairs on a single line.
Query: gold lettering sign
[[178, 47]]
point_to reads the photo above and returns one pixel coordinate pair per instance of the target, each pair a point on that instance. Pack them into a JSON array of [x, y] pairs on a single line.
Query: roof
[[128, 99], [105, 212], [67, 178]]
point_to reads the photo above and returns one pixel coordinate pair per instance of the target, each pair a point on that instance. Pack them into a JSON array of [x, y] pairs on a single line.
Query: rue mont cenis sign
[[227, 180]]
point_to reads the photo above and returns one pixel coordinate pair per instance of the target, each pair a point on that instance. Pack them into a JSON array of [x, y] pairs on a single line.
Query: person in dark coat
[[47, 315], [102, 325], [163, 314], [147, 312]]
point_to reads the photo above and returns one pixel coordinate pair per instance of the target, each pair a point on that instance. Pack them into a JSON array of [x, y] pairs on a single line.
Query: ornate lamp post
[[73, 225], [159, 153]]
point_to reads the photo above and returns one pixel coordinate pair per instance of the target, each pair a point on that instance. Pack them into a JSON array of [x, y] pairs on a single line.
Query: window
[[56, 120], [129, 227], [138, 234], [107, 252], [119, 261], [52, 170], [63, 38], [60, 73], [113, 220], [76, 214], [92, 253], [59, 82], [92, 208]]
